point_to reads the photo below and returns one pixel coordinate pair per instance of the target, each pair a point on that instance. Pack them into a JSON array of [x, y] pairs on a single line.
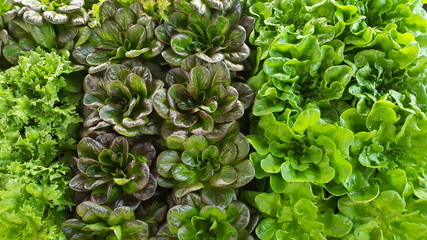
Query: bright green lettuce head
[[390, 146], [378, 72], [207, 222], [124, 33], [99, 222], [388, 216], [111, 171], [121, 99], [203, 100], [199, 164], [301, 149], [297, 214], [212, 30], [289, 84], [301, 70]]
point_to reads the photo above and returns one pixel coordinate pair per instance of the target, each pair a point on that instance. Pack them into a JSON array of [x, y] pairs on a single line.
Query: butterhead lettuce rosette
[[193, 218], [199, 164], [214, 31], [101, 222], [121, 99], [123, 33], [302, 149], [299, 211], [204, 100], [111, 171]]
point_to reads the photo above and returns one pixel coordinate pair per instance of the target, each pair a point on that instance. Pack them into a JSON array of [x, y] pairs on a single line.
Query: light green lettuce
[[34, 200], [38, 123], [298, 213], [38, 100]]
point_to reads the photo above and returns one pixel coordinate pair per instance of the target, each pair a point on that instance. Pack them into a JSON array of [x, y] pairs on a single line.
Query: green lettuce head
[[124, 33], [112, 171], [194, 219], [300, 212], [389, 148], [101, 223], [121, 98], [379, 72], [199, 164], [386, 217], [214, 31], [301, 148]]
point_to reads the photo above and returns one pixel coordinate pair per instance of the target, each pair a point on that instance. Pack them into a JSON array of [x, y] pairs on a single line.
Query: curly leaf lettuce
[[38, 122], [33, 200], [38, 100]]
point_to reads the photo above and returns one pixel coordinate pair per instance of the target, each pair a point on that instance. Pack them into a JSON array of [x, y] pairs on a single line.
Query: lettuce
[[38, 123], [305, 149], [340, 111], [390, 146], [33, 200], [38, 100], [297, 213], [387, 217], [340, 51]]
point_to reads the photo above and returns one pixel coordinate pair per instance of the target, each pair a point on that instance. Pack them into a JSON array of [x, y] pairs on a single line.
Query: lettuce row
[[385, 158], [156, 128], [38, 126], [340, 108]]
